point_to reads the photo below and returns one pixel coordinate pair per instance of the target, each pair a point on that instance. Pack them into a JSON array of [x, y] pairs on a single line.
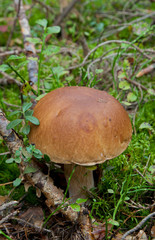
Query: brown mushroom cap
[[80, 125]]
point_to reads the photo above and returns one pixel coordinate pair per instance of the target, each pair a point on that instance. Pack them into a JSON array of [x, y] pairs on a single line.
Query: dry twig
[[138, 226], [9, 79], [44, 183], [29, 47]]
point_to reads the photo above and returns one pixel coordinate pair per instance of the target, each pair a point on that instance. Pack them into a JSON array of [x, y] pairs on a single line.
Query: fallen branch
[[28, 46], [138, 226], [5, 219], [137, 84], [146, 70], [114, 31], [119, 42], [44, 183], [38, 179], [9, 79]]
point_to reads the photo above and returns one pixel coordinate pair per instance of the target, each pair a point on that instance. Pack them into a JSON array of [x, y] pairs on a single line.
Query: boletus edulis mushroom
[[82, 126]]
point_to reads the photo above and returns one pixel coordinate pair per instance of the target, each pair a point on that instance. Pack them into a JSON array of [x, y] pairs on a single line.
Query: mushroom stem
[[82, 177]]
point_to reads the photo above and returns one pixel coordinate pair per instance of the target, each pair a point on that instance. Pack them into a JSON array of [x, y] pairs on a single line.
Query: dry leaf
[[146, 70], [142, 235], [38, 192], [26, 186], [33, 215], [3, 199], [153, 232]]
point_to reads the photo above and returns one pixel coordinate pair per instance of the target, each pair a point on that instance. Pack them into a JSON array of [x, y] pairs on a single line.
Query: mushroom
[[82, 126]]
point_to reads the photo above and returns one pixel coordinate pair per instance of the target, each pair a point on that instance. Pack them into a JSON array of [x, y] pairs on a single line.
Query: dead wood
[[28, 46], [55, 196]]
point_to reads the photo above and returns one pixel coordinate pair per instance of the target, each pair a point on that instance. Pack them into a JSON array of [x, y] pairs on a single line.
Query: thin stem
[[40, 59]]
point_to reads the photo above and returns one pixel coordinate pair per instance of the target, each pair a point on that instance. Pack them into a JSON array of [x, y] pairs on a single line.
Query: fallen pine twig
[[138, 226], [114, 31], [146, 70], [26, 223], [6, 205], [10, 79], [5, 219], [137, 84], [28, 46], [143, 176], [119, 42]]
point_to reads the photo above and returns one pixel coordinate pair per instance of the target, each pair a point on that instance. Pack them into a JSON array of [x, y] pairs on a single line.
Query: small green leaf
[[75, 207], [37, 153], [51, 49], [113, 222], [4, 67], [10, 160], [126, 198], [110, 191], [126, 103], [99, 71], [26, 153], [29, 169], [100, 27], [26, 129], [54, 29], [17, 182], [131, 97], [81, 200], [40, 96], [33, 40], [29, 113], [121, 75], [14, 57], [14, 123], [14, 113], [26, 106], [18, 160], [92, 168], [42, 22], [145, 125], [32, 119], [124, 85], [151, 91]]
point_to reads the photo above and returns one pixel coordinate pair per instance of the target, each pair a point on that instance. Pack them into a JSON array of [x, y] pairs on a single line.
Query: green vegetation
[[126, 183]]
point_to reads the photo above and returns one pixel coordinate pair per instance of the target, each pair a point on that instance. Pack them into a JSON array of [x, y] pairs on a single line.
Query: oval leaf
[[32, 119], [26, 129], [14, 113], [29, 169], [145, 125], [110, 191], [113, 222], [17, 182], [14, 123], [4, 67], [26, 106], [131, 97], [54, 29], [10, 160], [124, 85], [14, 57], [42, 22], [75, 207], [81, 200]]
